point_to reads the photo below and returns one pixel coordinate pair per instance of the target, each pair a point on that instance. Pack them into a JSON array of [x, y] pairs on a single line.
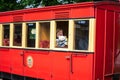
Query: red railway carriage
[[65, 42]]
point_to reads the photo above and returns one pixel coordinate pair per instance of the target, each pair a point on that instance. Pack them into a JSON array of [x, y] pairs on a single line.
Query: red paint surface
[[82, 67], [5, 60], [99, 47], [16, 61]]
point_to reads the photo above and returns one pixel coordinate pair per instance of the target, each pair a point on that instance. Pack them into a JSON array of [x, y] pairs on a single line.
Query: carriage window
[[31, 34], [6, 29], [62, 34], [81, 34], [17, 35], [44, 35]]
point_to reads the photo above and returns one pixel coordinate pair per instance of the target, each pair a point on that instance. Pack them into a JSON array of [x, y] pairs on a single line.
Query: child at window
[[61, 41]]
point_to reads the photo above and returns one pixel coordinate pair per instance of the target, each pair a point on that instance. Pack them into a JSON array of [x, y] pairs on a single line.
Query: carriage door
[[36, 59], [60, 65], [16, 52]]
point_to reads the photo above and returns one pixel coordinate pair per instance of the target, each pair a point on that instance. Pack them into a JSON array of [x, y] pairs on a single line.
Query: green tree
[[30, 3], [72, 1], [57, 2], [50, 2], [6, 5]]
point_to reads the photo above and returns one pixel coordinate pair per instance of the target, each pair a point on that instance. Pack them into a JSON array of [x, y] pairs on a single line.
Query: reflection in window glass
[[81, 34], [44, 35], [17, 35], [6, 35], [31, 35], [62, 34]]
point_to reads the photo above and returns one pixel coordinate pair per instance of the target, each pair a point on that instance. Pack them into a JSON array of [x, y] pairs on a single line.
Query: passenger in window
[[6, 41], [82, 41], [17, 40], [44, 44], [61, 40]]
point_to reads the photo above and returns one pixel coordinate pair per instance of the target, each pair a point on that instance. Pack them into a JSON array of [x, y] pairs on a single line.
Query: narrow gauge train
[[66, 42]]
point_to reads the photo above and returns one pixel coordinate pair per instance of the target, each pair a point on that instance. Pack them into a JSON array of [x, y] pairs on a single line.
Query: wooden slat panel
[[24, 35], [37, 34], [71, 35], [1, 34], [52, 34], [11, 33], [92, 31]]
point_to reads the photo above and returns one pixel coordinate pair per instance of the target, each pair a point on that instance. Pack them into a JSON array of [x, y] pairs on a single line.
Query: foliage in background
[[6, 5], [57, 2], [29, 3]]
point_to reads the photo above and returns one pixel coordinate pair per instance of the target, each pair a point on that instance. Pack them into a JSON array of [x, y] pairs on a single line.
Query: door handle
[[21, 53], [71, 62], [23, 56]]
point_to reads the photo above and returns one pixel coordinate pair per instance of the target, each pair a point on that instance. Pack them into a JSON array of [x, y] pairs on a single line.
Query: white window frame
[[92, 32], [12, 27], [71, 29], [92, 28], [53, 27], [38, 27], [2, 34]]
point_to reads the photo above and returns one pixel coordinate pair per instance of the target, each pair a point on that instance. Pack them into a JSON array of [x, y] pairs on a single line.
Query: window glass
[[17, 35], [31, 34], [81, 34], [44, 35], [62, 34], [6, 29]]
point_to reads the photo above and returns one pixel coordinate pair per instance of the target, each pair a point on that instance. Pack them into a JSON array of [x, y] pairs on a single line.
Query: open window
[[6, 35], [17, 41], [44, 36], [61, 34]]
